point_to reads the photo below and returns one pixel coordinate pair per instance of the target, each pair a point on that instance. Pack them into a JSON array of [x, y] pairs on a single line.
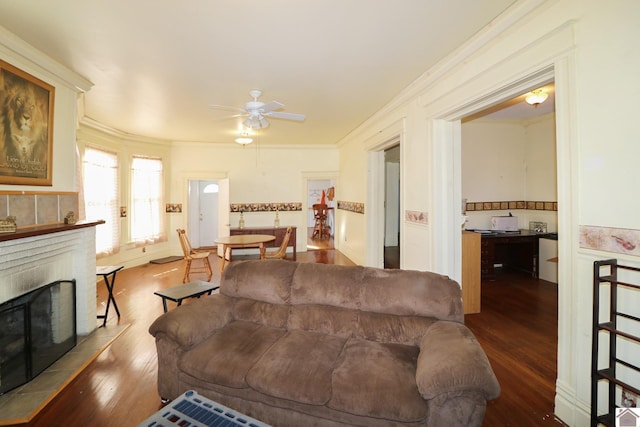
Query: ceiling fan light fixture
[[256, 123], [536, 97], [244, 140]]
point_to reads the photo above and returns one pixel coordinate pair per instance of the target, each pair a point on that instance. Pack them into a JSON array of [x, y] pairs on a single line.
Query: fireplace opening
[[36, 329]]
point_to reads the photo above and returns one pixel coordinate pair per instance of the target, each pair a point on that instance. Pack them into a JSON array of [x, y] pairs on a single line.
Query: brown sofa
[[300, 344]]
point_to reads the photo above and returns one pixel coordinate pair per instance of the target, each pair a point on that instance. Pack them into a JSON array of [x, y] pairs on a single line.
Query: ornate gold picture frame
[[26, 128]]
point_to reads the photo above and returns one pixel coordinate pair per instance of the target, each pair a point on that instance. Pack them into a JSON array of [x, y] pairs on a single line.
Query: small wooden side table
[[189, 290], [107, 271]]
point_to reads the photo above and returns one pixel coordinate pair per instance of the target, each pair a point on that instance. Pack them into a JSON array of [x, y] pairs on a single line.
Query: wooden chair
[[320, 215], [190, 255], [282, 252]]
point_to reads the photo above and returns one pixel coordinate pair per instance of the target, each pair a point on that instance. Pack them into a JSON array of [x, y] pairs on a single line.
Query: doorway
[[392, 207], [320, 191], [511, 154], [208, 213]]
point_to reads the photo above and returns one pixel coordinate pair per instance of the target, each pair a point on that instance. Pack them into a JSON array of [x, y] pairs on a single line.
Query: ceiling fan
[[256, 112]]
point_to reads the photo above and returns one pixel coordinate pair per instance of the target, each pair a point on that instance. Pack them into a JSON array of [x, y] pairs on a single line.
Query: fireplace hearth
[[36, 329]]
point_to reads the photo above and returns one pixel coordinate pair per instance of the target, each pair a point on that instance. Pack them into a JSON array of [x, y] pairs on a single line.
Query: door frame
[[186, 178], [447, 174], [314, 176], [375, 222]]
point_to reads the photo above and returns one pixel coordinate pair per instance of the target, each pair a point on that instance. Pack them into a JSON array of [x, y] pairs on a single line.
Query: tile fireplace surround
[[34, 256]]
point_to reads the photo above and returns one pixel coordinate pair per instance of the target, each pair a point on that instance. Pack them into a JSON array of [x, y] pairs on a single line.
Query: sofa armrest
[[452, 361], [190, 324]]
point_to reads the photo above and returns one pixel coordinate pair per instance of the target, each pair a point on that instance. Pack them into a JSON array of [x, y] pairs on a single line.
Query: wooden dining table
[[243, 241]]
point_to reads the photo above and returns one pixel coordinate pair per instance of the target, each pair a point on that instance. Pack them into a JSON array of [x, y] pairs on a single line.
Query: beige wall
[[256, 174]]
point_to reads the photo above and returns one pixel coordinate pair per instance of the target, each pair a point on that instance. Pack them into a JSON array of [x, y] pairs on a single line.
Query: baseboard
[[571, 410]]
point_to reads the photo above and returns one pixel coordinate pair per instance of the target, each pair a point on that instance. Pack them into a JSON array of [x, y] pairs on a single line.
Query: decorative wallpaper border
[[169, 208], [416, 216], [265, 207], [356, 207], [616, 240], [519, 204]]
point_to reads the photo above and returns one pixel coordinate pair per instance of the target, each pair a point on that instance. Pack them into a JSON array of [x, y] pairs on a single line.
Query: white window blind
[[101, 188], [146, 200]]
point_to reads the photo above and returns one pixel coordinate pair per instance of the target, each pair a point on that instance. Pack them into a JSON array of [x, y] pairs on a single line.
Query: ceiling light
[[256, 122], [244, 140], [536, 97]]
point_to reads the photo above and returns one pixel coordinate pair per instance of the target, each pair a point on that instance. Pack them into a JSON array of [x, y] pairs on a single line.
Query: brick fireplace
[[36, 256]]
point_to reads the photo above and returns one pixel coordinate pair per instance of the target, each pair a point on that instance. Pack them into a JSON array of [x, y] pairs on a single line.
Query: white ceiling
[[156, 65]]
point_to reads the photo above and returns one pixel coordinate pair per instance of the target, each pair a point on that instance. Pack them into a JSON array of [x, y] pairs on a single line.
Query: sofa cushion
[[323, 318], [227, 355], [274, 315], [411, 293], [333, 285], [298, 367], [378, 380], [387, 328], [261, 280]]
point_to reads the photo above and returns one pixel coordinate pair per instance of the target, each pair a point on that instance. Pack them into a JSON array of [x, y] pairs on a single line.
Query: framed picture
[[26, 128]]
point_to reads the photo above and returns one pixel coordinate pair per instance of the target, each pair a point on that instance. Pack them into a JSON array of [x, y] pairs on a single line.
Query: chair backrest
[[320, 211], [184, 242], [282, 251]]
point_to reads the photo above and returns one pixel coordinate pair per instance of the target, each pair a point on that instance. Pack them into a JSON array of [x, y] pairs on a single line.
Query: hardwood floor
[[392, 257], [516, 328], [314, 244]]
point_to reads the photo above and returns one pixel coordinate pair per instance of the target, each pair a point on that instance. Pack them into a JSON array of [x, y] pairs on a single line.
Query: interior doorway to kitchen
[[320, 236]]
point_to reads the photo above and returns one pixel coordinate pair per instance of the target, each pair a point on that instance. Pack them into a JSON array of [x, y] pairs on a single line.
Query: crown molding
[[21, 51]]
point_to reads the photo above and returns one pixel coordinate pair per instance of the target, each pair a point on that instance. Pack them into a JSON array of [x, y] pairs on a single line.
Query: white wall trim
[[22, 51], [375, 211]]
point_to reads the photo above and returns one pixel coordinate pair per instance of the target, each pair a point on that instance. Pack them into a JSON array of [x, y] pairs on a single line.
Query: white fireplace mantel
[[36, 256]]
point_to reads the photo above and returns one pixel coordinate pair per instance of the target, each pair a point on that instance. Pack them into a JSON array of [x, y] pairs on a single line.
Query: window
[[146, 200], [100, 185]]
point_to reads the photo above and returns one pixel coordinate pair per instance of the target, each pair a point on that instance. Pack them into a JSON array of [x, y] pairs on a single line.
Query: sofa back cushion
[[324, 319], [395, 292], [392, 306], [264, 313], [267, 281], [411, 293]]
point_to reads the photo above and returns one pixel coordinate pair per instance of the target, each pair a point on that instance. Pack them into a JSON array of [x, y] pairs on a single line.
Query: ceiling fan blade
[[271, 106], [288, 116]]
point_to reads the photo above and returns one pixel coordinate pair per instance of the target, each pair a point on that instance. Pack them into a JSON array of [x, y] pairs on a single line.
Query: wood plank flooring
[[516, 328]]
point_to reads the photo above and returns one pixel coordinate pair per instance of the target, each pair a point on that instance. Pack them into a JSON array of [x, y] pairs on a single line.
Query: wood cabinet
[[279, 232], [471, 272], [517, 251]]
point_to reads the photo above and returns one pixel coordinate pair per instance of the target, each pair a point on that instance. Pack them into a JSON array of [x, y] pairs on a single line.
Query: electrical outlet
[[629, 400]]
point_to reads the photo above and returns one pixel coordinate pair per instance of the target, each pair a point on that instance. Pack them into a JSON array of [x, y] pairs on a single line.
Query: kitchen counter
[[517, 250]]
